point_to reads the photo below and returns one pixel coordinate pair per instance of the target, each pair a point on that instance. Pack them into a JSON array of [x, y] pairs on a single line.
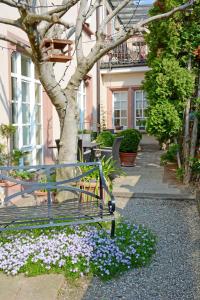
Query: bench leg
[[112, 233]]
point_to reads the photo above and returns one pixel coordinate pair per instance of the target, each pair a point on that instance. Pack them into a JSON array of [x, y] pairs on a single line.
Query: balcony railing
[[126, 55]]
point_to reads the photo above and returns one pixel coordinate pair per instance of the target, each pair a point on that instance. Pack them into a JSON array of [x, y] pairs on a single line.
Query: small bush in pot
[[129, 146], [105, 138]]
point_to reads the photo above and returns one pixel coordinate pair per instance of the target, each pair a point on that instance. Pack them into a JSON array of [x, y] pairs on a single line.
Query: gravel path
[[175, 271]]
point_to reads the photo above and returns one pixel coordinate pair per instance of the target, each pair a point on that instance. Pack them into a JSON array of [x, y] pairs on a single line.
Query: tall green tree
[[173, 78]]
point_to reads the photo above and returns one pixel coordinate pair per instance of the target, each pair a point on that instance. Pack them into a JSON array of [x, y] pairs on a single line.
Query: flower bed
[[76, 251]]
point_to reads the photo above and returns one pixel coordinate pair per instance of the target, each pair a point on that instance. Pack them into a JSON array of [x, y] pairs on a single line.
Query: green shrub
[[180, 174], [195, 165], [105, 138], [170, 155], [130, 141], [163, 121]]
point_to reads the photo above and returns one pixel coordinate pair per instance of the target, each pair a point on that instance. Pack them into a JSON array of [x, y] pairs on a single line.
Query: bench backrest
[[44, 178]]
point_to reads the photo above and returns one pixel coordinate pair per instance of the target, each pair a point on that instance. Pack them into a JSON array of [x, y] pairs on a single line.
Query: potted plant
[[105, 139], [90, 183], [7, 157], [129, 146]]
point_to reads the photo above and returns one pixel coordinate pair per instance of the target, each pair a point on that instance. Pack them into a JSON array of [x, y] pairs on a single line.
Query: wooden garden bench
[[21, 208]]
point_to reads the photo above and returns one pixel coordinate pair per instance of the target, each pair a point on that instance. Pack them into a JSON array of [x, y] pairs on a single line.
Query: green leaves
[[130, 141], [105, 138], [169, 81], [163, 121]]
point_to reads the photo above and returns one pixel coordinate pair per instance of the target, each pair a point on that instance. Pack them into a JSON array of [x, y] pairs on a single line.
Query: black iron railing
[[126, 54]]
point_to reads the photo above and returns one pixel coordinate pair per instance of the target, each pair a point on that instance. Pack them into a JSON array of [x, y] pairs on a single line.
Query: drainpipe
[[98, 76]]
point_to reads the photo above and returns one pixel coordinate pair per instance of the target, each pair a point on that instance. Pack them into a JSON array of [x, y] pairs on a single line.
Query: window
[[140, 106], [26, 108], [81, 99], [120, 109]]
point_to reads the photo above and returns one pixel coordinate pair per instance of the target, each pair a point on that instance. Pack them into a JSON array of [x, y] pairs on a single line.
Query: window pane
[[36, 73], [38, 114], [25, 113], [124, 113], [138, 96], [38, 135], [37, 93], [27, 160], [117, 122], [26, 135], [25, 66], [117, 114], [124, 122], [16, 139], [138, 113], [123, 105], [25, 91], [14, 113], [14, 88], [39, 157], [137, 122], [14, 62], [116, 105], [139, 104], [120, 108]]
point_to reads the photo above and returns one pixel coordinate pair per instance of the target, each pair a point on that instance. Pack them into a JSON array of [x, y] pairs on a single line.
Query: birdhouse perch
[[56, 50]]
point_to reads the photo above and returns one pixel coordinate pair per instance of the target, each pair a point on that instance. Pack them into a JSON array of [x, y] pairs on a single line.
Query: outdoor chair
[[113, 151]]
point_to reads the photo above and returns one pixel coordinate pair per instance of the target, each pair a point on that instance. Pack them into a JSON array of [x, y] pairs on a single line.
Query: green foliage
[[109, 168], [84, 131], [16, 155], [134, 243], [7, 131], [180, 174], [195, 165], [12, 158], [23, 174], [105, 138], [163, 121], [170, 155], [130, 141], [173, 67], [169, 81], [8, 157]]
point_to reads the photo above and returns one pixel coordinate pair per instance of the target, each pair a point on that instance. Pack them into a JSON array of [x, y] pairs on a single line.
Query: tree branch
[[54, 19], [60, 11], [112, 14], [93, 8], [166, 15], [9, 3], [63, 9], [15, 23], [79, 28], [25, 48]]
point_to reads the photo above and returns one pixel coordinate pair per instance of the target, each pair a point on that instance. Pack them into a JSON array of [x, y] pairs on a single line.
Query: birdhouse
[[56, 50]]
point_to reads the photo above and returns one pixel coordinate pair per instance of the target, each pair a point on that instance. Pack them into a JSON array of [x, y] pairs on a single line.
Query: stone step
[[164, 196]]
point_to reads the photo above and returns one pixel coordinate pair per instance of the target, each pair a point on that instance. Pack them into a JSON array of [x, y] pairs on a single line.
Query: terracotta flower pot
[[127, 159]]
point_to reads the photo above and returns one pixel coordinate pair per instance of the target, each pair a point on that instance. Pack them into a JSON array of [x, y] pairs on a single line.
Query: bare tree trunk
[[195, 124], [178, 154], [69, 131], [193, 137], [186, 139]]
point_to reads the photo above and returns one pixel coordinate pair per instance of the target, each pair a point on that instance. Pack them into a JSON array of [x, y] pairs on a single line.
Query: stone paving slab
[[146, 177], [43, 287]]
